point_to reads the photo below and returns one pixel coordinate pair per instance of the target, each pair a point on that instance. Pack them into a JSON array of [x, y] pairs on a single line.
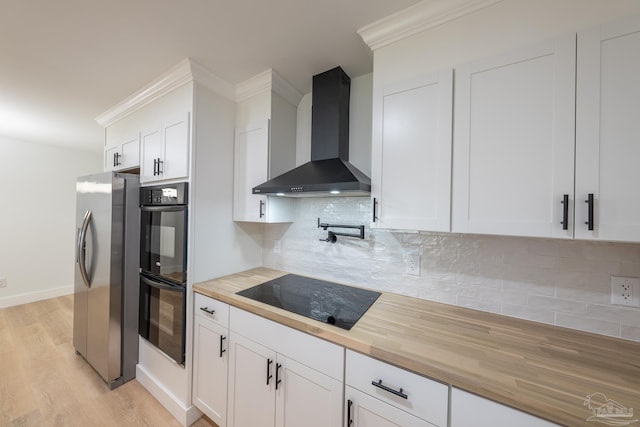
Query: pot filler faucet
[[332, 235]]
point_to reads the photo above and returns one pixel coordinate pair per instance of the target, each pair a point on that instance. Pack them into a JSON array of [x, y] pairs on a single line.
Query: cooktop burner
[[326, 302]]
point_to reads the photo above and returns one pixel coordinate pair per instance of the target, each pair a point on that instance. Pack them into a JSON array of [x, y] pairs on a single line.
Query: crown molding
[[185, 71], [268, 80], [417, 18], [254, 86], [285, 89]]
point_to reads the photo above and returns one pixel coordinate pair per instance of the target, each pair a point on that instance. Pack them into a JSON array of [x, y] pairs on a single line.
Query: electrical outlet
[[625, 291], [277, 246], [412, 265], [3, 282]]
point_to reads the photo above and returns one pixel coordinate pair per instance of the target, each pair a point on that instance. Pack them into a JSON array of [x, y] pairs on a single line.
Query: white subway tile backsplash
[[528, 313], [631, 332], [561, 282], [588, 324]]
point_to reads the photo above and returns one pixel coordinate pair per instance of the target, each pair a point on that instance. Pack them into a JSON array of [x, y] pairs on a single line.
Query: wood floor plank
[[46, 384]]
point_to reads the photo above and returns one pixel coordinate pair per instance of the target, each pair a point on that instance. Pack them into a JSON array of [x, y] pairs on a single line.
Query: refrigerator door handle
[[82, 251]]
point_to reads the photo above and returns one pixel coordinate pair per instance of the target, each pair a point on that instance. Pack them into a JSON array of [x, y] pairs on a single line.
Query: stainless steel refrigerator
[[105, 318]]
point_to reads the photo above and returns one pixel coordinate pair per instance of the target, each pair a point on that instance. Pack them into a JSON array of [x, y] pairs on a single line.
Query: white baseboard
[[185, 416], [28, 297]]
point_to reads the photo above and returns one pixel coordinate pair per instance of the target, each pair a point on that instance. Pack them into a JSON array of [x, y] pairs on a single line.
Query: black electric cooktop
[[326, 302]]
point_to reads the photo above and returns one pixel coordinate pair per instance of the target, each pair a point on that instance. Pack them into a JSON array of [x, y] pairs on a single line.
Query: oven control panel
[[163, 195]]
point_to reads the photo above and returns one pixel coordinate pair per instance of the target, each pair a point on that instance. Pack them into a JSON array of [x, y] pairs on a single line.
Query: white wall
[[37, 219]]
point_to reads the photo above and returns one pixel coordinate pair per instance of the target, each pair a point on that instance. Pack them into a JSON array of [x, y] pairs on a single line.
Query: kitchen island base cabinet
[[469, 410], [282, 377], [211, 358]]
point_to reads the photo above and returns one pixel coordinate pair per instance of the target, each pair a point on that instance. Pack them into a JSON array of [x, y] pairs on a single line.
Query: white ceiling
[[64, 62]]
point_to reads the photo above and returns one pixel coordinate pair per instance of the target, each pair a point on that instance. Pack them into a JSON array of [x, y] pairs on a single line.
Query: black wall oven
[[163, 267]]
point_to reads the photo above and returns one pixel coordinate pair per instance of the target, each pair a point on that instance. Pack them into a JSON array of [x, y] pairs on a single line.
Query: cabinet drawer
[[422, 397], [204, 305], [323, 356]]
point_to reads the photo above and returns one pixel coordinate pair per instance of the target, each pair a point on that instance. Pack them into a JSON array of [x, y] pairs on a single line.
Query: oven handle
[[159, 285], [82, 250], [171, 208]]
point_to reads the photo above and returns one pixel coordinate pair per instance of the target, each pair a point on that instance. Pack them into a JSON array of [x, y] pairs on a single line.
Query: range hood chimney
[[329, 171]]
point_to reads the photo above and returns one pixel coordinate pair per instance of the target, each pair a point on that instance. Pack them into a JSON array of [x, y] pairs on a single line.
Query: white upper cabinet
[[124, 155], [607, 132], [514, 142], [165, 149], [251, 168], [411, 154]]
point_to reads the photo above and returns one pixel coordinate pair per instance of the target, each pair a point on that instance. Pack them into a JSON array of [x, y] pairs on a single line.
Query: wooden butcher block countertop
[[544, 370]]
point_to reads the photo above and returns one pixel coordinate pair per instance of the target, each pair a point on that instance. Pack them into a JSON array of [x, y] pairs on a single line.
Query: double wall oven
[[163, 267]]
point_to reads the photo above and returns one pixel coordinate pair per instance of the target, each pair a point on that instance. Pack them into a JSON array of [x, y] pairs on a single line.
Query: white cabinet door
[[251, 384], [130, 152], [251, 158], [111, 155], [306, 397], [151, 147], [165, 149], [123, 156], [210, 367], [411, 179], [363, 410], [469, 410], [514, 142], [608, 125], [175, 136], [251, 168]]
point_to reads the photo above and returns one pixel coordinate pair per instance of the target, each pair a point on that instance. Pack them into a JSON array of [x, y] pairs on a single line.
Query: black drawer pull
[[589, 203], [375, 205], [389, 389], [278, 380], [208, 310], [565, 212], [221, 349], [349, 419], [269, 376]]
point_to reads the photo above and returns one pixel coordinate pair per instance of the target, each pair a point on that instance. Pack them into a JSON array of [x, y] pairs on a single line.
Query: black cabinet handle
[[116, 159], [589, 203], [269, 376], [221, 349], [349, 420], [375, 205], [160, 163], [389, 389], [208, 310], [261, 210], [278, 380], [155, 167], [565, 212]]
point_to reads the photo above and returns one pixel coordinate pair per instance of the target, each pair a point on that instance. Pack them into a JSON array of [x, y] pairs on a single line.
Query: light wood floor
[[44, 383]]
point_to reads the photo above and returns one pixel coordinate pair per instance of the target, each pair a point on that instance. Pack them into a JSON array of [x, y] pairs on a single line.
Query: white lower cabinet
[[365, 411], [379, 394], [282, 377], [211, 358], [469, 410]]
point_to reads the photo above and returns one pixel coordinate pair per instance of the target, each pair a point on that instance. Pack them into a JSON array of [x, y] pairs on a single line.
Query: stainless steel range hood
[[329, 171]]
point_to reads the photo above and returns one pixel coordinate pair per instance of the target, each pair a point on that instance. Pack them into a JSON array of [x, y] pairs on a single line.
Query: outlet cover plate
[[412, 265], [3, 282], [277, 246], [625, 291]]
